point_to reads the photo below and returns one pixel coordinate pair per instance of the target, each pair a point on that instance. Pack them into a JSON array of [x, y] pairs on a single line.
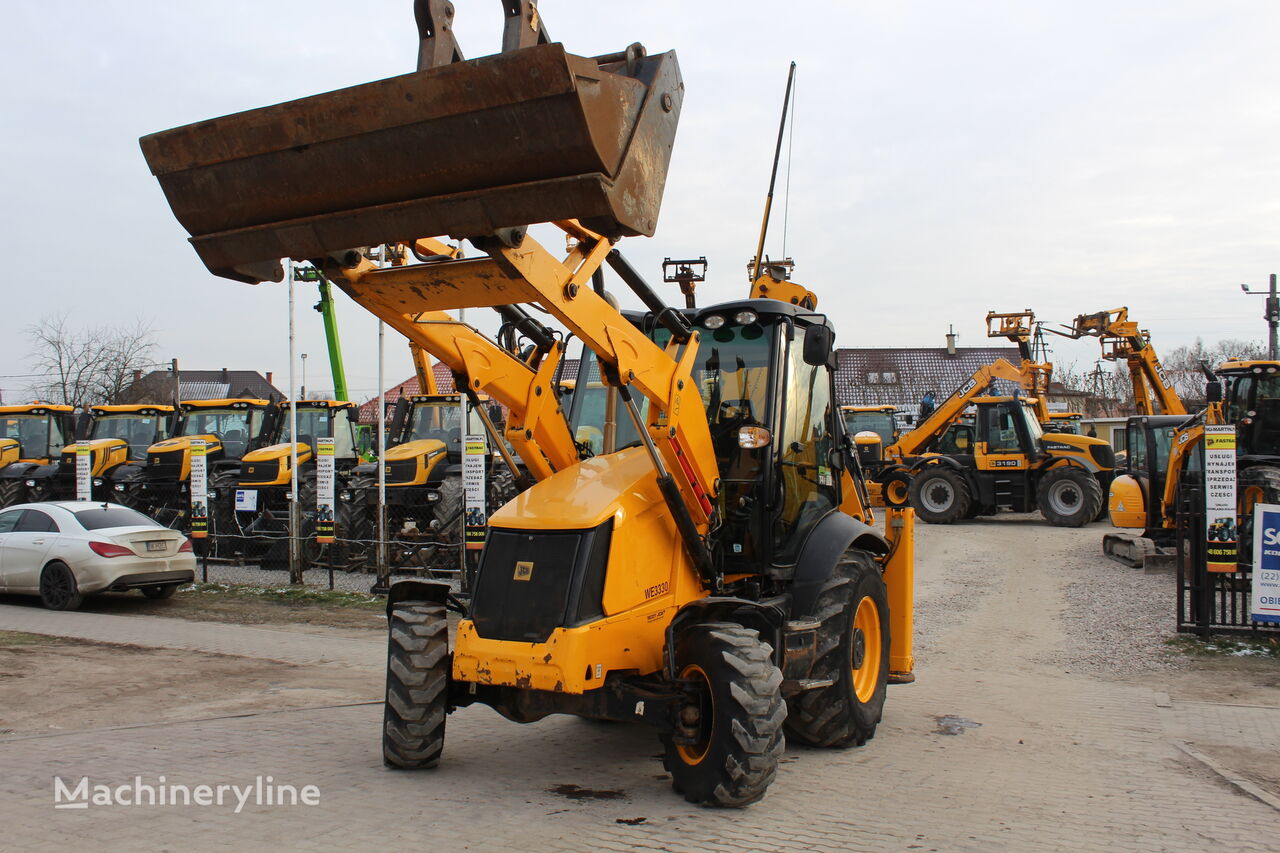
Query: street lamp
[[304, 376], [1272, 315]]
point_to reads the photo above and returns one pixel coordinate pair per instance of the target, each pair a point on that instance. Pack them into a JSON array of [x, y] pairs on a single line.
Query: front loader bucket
[[532, 135]]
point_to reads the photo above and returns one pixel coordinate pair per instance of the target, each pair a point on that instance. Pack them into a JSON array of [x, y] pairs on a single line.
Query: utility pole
[[1271, 315]]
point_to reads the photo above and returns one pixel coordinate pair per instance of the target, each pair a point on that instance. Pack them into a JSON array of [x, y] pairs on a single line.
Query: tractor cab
[[1064, 422], [764, 370], [1135, 496], [31, 440], [1252, 403], [119, 437], [270, 465], [878, 419]]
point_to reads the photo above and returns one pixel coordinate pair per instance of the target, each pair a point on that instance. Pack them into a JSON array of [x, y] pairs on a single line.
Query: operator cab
[[1252, 403], [774, 425]]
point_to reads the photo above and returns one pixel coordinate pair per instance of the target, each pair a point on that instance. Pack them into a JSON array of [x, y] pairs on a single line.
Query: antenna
[[773, 176]]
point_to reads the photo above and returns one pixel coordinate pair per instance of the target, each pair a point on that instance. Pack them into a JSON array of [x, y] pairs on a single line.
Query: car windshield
[[110, 515]]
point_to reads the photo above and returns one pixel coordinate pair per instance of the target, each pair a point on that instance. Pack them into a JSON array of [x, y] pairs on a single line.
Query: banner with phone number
[[324, 490], [199, 490], [1220, 497]]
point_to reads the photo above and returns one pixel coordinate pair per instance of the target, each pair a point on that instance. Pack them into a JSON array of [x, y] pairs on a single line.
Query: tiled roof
[[407, 388], [157, 386], [882, 375]]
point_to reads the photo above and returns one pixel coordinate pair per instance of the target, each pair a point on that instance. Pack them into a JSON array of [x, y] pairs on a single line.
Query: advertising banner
[[84, 471], [1265, 605], [1220, 497], [324, 490], [199, 490], [475, 453]]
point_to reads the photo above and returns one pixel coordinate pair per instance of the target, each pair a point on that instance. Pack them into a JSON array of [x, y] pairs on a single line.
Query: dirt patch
[[48, 685], [1256, 765]]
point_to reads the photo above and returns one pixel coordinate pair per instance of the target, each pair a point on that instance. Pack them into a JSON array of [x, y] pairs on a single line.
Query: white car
[[65, 550]]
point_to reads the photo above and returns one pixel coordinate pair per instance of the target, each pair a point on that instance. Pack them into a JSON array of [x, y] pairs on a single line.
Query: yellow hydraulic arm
[[914, 442], [414, 300], [1121, 339], [1019, 326]]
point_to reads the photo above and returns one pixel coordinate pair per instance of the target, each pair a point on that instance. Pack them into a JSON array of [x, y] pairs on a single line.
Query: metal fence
[[1210, 602]]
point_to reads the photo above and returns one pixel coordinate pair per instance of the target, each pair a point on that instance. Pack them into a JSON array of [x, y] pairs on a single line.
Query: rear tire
[[1069, 496], [940, 495], [58, 589], [734, 758], [853, 651], [417, 685]]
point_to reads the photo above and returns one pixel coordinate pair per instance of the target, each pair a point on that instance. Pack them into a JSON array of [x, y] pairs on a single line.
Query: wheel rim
[[693, 754], [865, 650], [937, 495], [1065, 498], [896, 492], [55, 587]]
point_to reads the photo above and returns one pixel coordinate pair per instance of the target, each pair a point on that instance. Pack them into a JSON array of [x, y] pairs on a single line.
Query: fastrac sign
[[1266, 564]]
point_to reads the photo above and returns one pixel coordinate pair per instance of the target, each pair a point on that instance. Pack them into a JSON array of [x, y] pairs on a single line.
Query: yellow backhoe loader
[[703, 580]]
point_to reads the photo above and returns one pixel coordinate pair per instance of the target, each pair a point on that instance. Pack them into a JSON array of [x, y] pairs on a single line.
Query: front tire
[[940, 495], [1069, 496], [417, 685], [853, 652], [58, 589], [733, 728]]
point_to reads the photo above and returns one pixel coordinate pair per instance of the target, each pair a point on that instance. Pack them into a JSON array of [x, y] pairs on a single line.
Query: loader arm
[[915, 441], [1122, 340], [415, 299]]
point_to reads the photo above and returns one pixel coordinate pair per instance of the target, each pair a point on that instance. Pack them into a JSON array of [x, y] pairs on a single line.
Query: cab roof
[[36, 408], [129, 409], [234, 403]]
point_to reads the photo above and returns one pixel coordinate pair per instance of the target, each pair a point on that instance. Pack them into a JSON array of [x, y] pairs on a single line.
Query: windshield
[[137, 431], [592, 414], [1033, 426], [38, 435], [1254, 407], [881, 423], [100, 517], [316, 423], [235, 428]]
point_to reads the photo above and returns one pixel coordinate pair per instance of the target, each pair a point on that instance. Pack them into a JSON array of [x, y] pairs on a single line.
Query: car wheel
[[58, 590], [159, 592]]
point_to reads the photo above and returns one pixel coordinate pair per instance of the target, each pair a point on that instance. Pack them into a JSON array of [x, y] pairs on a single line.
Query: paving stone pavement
[[216, 637]]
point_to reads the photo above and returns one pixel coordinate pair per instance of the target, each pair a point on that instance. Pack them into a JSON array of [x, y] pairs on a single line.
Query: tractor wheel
[[940, 495], [449, 509], [11, 491], [732, 724], [58, 589], [1069, 496], [417, 685], [1257, 484], [853, 652], [897, 490]]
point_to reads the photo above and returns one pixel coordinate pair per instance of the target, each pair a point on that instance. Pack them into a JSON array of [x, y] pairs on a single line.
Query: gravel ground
[[251, 574]]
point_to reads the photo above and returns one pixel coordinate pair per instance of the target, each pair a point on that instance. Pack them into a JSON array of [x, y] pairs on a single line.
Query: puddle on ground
[[575, 792], [950, 724]]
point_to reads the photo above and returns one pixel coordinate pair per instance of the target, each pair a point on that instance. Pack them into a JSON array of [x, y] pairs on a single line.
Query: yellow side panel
[[1125, 503], [8, 451]]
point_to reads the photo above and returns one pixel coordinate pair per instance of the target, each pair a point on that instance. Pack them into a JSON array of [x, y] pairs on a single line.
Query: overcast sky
[[949, 158]]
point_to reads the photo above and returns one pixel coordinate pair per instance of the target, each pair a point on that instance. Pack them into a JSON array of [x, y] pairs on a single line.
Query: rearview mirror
[[818, 341]]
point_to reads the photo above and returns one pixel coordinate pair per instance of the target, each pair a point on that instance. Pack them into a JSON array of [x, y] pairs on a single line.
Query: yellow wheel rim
[[865, 651], [897, 492], [694, 753]]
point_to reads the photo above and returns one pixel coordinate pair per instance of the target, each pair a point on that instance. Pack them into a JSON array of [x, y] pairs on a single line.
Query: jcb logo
[[524, 571]]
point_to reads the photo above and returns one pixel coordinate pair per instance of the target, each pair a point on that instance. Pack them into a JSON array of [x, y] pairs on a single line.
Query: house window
[[1117, 439], [889, 378], [873, 378]]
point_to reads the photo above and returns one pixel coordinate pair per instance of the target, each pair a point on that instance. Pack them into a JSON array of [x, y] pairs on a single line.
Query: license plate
[[156, 546]]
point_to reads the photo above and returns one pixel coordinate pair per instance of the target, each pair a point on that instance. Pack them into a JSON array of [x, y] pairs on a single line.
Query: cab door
[[1001, 444], [25, 548]]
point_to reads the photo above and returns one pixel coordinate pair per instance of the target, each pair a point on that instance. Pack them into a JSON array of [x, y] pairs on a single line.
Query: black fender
[[416, 590], [128, 472], [27, 471], [925, 461], [824, 547], [766, 617]]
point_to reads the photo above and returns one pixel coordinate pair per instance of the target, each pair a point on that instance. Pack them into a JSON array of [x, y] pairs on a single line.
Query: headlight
[[30, 484], [432, 497], [745, 318], [713, 321], [344, 495], [97, 481], [119, 487], [213, 493]]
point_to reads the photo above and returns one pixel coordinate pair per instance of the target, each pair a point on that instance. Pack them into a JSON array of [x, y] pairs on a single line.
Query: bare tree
[[86, 366]]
